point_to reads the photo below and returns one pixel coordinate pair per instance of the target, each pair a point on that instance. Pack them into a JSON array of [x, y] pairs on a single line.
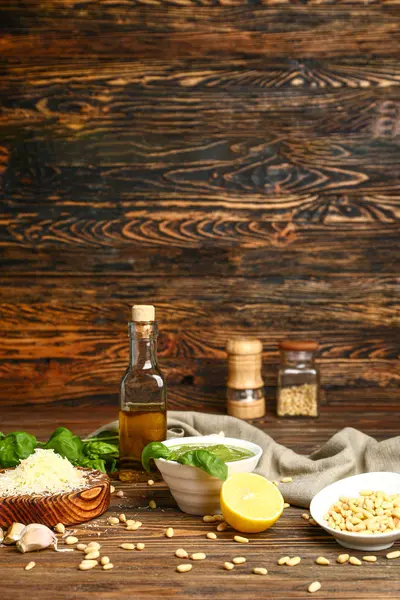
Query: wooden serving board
[[70, 508]]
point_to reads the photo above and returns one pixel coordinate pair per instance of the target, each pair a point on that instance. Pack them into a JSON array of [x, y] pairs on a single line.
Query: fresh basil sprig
[[206, 461], [201, 458], [100, 452]]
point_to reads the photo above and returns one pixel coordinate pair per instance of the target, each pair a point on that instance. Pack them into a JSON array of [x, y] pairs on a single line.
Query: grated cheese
[[43, 472]]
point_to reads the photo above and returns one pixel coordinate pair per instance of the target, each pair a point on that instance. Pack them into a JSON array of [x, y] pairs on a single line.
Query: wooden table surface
[[151, 573]]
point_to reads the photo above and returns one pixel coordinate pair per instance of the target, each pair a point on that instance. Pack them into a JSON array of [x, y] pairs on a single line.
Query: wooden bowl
[[70, 508]]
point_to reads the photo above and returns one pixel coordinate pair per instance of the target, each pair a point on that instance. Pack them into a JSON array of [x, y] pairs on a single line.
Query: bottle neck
[[143, 346]]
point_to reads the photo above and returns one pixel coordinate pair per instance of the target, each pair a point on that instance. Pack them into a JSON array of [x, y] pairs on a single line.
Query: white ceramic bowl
[[196, 492], [351, 486]]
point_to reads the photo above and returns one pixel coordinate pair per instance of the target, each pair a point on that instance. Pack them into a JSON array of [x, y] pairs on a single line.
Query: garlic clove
[[13, 533], [31, 527], [36, 538]]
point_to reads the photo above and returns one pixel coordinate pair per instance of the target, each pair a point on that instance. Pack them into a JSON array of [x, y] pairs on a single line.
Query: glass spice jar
[[298, 380]]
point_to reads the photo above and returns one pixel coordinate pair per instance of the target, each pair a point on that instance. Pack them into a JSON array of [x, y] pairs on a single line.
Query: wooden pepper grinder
[[245, 392]]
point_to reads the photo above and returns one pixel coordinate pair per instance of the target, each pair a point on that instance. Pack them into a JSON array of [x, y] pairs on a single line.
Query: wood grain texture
[[235, 163], [151, 573], [191, 31], [69, 508]]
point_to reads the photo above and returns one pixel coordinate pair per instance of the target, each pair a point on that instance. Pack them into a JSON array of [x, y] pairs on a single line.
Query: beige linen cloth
[[347, 453]]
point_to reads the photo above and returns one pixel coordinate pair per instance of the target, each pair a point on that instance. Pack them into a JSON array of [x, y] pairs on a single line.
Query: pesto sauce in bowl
[[224, 452]]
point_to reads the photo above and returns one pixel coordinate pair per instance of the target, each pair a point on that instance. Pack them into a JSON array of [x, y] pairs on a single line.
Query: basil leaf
[[100, 449], [65, 443], [206, 461], [152, 451], [94, 463], [2, 436], [16, 446]]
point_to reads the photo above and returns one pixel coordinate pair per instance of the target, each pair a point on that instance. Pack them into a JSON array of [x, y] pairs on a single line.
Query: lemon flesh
[[250, 503]]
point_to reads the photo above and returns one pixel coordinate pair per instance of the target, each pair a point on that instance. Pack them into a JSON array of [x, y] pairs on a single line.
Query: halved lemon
[[250, 503]]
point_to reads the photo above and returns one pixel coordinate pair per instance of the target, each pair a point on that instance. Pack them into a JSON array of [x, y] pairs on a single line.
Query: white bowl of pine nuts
[[194, 491], [361, 512]]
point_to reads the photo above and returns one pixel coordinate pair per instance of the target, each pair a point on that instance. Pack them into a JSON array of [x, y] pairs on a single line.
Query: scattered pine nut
[[81, 547], [240, 539], [150, 482], [312, 521], [122, 518], [305, 516], [275, 483], [120, 494], [238, 560], [184, 568], [127, 546], [286, 505], [219, 518], [209, 519], [169, 533], [370, 558], [133, 525], [94, 545], [366, 493], [292, 562], [222, 526], [260, 571], [314, 587], [112, 489], [152, 504], [181, 553], [353, 560], [30, 565], [113, 520], [342, 558], [228, 566], [140, 546], [211, 535], [92, 555], [283, 560], [286, 479], [86, 565], [104, 560], [198, 556], [108, 566], [59, 528], [395, 554], [71, 539], [321, 560]]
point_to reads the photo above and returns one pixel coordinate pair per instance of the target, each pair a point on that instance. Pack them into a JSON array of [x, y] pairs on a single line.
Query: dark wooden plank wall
[[237, 164]]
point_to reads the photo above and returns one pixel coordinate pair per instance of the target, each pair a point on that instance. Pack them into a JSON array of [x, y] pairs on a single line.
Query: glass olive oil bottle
[[143, 395]]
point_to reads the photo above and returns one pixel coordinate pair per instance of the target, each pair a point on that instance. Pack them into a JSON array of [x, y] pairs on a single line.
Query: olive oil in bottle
[[143, 395]]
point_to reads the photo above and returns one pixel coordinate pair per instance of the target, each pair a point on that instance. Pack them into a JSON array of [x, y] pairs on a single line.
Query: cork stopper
[[143, 312], [299, 345]]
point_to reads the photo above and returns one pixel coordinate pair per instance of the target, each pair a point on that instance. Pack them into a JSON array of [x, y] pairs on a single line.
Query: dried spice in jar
[[298, 380]]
